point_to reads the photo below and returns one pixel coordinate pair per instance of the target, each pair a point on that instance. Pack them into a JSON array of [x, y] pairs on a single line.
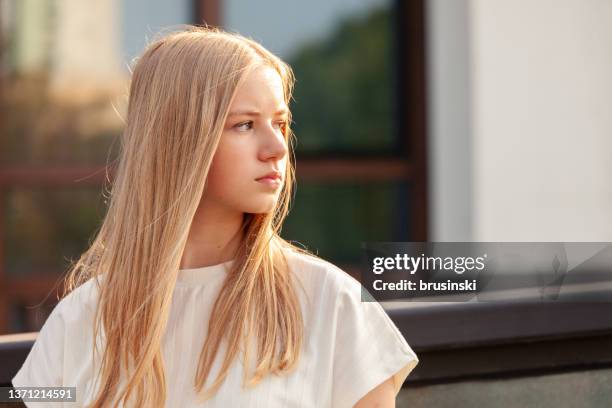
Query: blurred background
[[439, 120], [65, 73]]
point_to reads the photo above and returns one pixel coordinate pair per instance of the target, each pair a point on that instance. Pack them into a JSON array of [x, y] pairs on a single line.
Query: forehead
[[262, 87]]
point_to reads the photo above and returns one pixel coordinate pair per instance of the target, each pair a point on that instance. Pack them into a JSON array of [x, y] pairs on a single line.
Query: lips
[[273, 175]]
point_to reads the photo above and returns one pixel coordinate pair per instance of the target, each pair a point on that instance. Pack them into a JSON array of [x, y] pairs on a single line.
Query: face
[[252, 146]]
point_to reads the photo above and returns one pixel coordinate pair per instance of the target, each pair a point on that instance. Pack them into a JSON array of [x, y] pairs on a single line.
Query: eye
[[282, 125], [248, 125]]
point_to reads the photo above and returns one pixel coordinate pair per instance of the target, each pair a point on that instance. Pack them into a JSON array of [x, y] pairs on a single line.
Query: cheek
[[228, 171]]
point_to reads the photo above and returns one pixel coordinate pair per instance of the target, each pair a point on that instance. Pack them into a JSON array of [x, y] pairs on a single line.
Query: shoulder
[[80, 303], [75, 310], [315, 270], [49, 361], [367, 347], [337, 294]]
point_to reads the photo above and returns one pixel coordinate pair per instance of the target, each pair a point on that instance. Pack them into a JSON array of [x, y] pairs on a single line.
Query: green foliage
[[343, 96]]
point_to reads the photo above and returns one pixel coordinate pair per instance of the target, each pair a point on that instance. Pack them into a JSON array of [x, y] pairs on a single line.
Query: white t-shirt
[[349, 346]]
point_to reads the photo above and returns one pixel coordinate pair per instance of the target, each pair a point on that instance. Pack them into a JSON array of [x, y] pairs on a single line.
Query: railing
[[14, 349]]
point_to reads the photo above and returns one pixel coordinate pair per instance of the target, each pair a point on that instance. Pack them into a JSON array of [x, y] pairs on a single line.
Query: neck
[[214, 237]]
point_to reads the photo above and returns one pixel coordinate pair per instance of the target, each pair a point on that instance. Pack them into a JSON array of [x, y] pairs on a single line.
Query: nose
[[274, 145]]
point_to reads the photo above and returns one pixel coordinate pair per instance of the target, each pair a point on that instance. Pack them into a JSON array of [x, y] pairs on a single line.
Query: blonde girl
[[188, 296]]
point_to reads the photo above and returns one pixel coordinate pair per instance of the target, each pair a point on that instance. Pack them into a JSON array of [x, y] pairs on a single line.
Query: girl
[[188, 296]]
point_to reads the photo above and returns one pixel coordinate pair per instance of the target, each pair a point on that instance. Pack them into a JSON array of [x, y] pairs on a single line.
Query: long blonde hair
[[180, 94]]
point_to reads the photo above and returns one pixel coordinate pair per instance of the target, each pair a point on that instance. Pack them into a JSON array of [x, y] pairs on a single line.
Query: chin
[[264, 211], [263, 208]]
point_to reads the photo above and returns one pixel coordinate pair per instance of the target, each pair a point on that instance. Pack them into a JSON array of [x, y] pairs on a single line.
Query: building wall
[[519, 131]]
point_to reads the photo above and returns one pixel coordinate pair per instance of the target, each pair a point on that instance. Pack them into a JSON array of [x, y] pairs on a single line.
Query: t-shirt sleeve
[[44, 365], [369, 348]]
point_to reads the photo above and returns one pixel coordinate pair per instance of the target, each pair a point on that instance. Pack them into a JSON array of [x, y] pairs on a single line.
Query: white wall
[[449, 111], [538, 122]]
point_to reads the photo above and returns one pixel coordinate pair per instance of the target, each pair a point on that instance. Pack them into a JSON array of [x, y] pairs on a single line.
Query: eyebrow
[[283, 111]]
